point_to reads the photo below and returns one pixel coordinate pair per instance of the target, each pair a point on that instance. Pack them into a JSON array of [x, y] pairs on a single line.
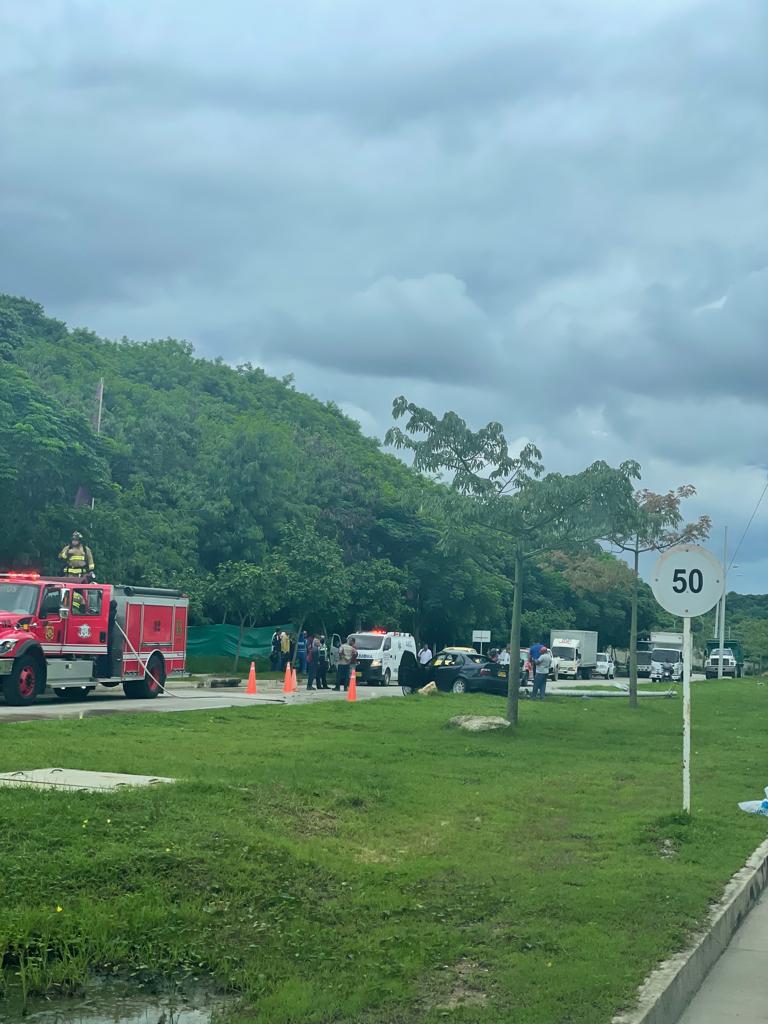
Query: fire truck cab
[[71, 635]]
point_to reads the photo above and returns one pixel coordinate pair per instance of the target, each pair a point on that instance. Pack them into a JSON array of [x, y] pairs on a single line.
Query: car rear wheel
[[459, 685]]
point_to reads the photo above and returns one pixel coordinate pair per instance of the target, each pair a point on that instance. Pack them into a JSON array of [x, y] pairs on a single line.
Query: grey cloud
[[428, 327], [554, 215]]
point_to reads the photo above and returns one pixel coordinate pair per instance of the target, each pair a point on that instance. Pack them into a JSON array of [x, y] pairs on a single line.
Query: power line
[[746, 528]]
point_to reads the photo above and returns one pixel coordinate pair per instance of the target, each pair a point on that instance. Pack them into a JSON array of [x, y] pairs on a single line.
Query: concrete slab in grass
[[70, 778]]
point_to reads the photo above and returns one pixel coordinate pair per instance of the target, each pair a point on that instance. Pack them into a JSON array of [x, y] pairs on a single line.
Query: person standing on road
[[534, 652], [543, 665], [347, 658], [274, 655], [285, 650], [504, 658], [311, 663], [320, 656], [425, 654], [301, 651]]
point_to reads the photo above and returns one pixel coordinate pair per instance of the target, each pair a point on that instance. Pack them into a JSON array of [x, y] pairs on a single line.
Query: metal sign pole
[[687, 581], [721, 622], [687, 651]]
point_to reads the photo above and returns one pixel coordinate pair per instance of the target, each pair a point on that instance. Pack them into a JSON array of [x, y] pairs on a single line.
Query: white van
[[379, 655]]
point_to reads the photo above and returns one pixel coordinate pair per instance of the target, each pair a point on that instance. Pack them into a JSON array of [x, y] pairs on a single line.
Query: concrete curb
[[666, 993]]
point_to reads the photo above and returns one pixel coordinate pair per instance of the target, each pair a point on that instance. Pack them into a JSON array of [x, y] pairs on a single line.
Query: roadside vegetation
[[364, 863], [262, 503]]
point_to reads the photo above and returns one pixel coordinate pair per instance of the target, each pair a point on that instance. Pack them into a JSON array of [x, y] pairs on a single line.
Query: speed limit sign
[[687, 580]]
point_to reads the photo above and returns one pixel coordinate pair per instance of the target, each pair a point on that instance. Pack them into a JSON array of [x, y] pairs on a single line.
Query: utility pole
[[722, 604]]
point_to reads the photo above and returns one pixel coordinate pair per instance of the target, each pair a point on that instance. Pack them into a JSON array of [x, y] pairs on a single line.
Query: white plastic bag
[[756, 806]]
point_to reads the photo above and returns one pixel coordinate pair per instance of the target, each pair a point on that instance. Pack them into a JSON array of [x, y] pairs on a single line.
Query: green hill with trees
[[263, 503]]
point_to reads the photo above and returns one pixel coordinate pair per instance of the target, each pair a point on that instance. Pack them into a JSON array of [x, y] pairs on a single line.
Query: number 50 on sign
[[687, 581]]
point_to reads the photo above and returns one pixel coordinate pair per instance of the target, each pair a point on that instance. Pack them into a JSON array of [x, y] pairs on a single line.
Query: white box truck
[[574, 652], [666, 656], [663, 638]]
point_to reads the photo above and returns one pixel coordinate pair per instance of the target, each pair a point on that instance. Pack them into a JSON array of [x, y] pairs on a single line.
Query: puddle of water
[[120, 1010]]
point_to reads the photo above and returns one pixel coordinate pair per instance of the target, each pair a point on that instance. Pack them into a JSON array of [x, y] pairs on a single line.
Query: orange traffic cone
[[294, 681], [288, 682], [352, 690], [251, 687]]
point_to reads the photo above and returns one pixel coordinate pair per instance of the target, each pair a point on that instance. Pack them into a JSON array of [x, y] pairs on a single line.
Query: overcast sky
[[554, 214]]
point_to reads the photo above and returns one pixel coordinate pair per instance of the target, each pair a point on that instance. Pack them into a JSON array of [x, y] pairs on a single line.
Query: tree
[[308, 574], [754, 633], [376, 591], [246, 592], [655, 525], [507, 496], [200, 464]]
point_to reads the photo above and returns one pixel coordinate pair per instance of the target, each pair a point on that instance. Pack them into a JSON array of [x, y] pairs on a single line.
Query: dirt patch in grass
[[464, 985]]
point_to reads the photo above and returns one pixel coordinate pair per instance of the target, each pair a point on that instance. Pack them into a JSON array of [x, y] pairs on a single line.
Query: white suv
[[605, 666]]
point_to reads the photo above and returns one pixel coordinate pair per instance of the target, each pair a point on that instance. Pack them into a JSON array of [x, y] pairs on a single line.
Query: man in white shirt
[[425, 654], [504, 657], [543, 665]]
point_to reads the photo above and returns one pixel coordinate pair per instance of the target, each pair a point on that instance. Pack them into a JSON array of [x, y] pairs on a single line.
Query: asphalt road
[[184, 698]]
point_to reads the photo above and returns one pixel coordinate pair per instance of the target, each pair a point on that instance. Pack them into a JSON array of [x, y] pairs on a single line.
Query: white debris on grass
[[756, 806], [69, 778]]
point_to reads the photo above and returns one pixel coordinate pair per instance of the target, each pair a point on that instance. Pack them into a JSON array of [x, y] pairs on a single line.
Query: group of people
[[283, 646], [312, 658]]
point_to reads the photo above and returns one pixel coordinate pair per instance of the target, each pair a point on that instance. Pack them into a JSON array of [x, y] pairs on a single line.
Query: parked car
[[605, 666], [454, 670]]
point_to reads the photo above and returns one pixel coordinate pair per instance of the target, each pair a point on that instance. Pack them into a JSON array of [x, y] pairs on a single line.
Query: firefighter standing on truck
[[77, 558]]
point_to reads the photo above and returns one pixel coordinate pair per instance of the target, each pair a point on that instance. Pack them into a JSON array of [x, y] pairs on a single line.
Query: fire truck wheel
[[153, 682], [20, 687]]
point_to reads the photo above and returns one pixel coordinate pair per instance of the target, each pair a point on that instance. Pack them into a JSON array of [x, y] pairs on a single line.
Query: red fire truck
[[70, 635]]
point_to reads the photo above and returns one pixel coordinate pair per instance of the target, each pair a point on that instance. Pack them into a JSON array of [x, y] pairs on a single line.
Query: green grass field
[[363, 863]]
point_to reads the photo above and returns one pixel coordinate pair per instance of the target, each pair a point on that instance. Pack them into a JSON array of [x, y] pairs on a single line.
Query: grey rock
[[479, 723]]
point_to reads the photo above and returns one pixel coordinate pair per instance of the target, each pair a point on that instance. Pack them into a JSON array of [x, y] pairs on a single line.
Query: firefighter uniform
[[77, 558]]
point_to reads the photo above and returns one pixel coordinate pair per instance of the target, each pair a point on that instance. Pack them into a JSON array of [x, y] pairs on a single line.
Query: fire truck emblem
[[84, 632], [49, 633]]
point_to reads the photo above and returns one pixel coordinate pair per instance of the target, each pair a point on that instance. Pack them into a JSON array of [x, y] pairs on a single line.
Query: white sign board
[[687, 580], [481, 636]]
